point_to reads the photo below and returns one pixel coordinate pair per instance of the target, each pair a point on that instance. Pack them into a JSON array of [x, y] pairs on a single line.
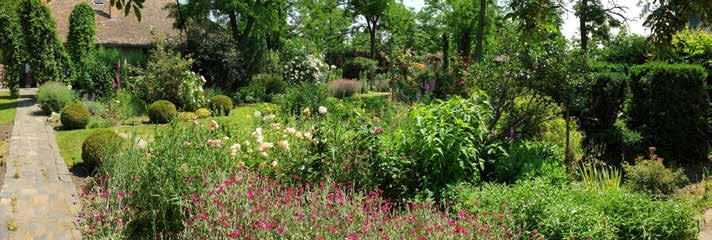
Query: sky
[[570, 28]]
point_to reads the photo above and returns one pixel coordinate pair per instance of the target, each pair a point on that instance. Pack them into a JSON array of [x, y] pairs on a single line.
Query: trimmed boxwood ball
[[97, 146], [221, 104], [75, 116], [162, 111]]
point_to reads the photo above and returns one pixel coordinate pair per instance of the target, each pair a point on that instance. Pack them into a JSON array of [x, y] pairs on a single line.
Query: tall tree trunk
[[481, 31], [568, 156], [446, 51], [372, 31], [582, 24], [465, 46], [234, 27]]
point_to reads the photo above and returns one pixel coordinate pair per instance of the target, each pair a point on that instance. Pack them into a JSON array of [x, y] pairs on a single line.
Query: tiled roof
[[120, 30]]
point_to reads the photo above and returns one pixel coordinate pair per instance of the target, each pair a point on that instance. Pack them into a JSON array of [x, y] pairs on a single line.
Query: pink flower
[[214, 125]]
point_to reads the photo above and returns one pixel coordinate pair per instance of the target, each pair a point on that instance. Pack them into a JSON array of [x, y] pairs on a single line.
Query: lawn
[[70, 141], [7, 108]]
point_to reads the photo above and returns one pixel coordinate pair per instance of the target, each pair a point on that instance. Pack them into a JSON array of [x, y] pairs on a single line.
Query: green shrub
[[97, 146], [530, 159], [202, 113], [75, 116], [359, 66], [273, 84], [604, 96], [128, 105], [252, 93], [186, 116], [652, 177], [575, 212], [670, 108], [13, 49], [162, 111], [53, 96], [344, 88], [302, 96], [221, 105], [447, 143]]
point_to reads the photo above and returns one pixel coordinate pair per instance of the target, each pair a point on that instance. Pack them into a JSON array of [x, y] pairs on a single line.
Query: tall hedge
[[49, 60], [669, 108], [605, 95], [12, 49], [80, 41]]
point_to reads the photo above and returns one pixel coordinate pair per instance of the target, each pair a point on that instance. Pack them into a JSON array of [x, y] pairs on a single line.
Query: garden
[[367, 119]]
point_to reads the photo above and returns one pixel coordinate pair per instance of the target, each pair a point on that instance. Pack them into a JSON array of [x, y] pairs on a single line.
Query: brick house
[[113, 29]]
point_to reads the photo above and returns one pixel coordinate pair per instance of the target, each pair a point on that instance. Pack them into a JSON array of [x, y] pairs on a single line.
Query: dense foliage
[[162, 111], [96, 147], [670, 108], [75, 116], [49, 60], [53, 96]]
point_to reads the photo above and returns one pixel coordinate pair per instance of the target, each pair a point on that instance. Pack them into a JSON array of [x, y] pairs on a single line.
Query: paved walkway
[[38, 198]]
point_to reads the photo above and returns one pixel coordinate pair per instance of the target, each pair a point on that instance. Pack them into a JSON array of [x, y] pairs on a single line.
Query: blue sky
[[570, 27]]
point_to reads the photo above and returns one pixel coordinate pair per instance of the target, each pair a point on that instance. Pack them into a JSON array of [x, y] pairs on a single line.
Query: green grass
[[7, 108], [70, 142]]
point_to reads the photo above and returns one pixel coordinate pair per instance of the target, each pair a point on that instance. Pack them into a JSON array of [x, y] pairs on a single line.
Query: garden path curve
[[38, 199]]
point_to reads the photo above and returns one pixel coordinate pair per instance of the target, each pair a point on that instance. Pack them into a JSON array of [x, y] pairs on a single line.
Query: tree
[[323, 22], [481, 30], [81, 37], [11, 49], [373, 11], [596, 20], [536, 20], [49, 60], [128, 5], [401, 25], [669, 16]]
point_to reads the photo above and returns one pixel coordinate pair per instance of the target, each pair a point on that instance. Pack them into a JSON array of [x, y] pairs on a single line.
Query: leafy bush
[[300, 97], [604, 96], [202, 113], [262, 88], [168, 76], [75, 116], [80, 40], [344, 88], [53, 96], [94, 78], [221, 105], [359, 66], [530, 159], [652, 177], [13, 49], [128, 105], [98, 146], [670, 108], [575, 212], [448, 142], [162, 111], [273, 84]]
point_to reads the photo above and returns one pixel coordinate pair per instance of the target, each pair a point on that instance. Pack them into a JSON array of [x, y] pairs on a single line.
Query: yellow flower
[[290, 131], [274, 163]]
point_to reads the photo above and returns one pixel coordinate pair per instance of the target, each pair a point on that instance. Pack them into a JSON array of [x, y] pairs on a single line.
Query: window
[[98, 1]]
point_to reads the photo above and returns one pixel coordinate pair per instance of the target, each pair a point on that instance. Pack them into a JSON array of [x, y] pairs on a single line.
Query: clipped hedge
[[162, 111], [75, 116], [669, 107], [221, 105], [97, 146], [605, 95]]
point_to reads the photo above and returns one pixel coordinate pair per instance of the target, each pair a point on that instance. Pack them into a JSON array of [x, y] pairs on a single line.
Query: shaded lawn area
[[7, 108], [70, 141]]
